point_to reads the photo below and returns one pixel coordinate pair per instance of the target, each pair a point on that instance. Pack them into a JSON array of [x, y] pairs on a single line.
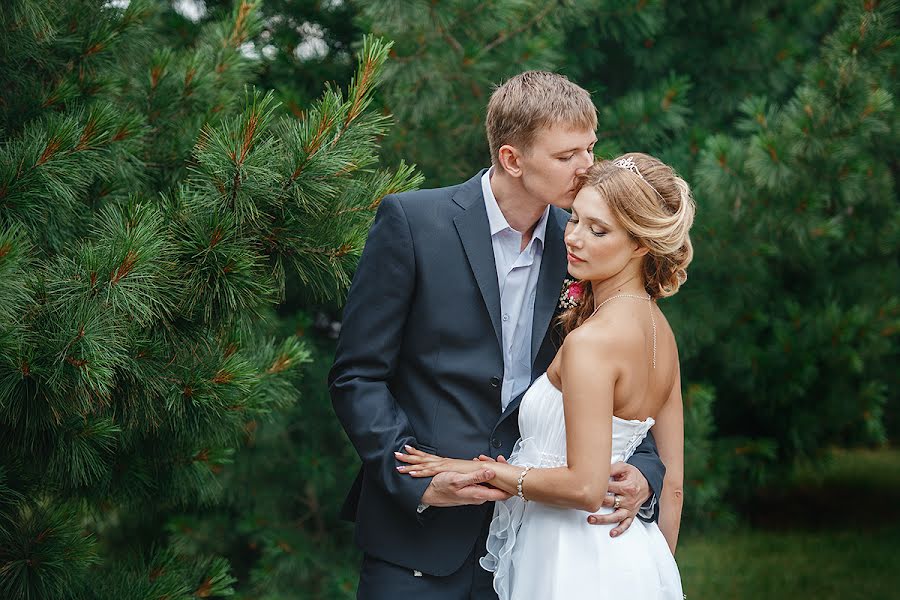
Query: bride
[[615, 377]]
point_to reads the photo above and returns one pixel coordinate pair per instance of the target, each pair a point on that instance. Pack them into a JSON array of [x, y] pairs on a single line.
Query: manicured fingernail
[[400, 468], [412, 472], [398, 454], [407, 446]]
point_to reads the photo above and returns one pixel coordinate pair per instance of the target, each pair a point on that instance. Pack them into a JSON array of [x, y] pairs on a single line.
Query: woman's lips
[[572, 258]]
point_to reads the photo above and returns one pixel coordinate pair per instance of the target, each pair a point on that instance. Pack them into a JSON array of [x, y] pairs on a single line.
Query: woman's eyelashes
[[599, 233]]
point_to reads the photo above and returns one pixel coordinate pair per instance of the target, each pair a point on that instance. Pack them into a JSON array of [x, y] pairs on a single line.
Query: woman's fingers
[[409, 458], [415, 451], [425, 473], [419, 470]]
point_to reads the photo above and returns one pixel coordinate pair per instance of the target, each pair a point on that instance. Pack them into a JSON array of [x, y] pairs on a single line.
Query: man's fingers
[[479, 494], [623, 488], [609, 500], [613, 518], [620, 529], [501, 459], [489, 494], [475, 478], [619, 468]]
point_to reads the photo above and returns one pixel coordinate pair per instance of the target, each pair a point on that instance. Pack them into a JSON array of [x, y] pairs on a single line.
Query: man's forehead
[[558, 138]]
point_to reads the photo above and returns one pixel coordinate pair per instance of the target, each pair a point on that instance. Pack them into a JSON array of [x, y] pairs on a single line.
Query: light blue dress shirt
[[517, 274]]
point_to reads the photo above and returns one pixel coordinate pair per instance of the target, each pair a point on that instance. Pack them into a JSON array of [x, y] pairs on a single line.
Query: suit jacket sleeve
[[375, 317], [646, 459]]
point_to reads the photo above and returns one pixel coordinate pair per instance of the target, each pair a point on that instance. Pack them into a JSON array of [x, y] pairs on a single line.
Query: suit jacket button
[[496, 443], [495, 381]]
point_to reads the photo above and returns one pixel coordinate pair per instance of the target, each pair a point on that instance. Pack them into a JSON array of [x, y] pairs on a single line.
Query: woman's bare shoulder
[[604, 336]]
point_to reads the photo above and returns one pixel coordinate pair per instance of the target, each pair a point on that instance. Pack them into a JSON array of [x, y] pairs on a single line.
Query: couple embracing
[[515, 445]]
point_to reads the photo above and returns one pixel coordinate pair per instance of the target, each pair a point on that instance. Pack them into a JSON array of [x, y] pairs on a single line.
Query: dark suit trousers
[[380, 580]]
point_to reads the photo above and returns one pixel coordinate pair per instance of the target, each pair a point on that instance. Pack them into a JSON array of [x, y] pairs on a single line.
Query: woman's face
[[598, 247]]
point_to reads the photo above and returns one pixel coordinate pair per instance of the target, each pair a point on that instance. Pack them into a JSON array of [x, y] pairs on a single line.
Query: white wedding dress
[[547, 553]]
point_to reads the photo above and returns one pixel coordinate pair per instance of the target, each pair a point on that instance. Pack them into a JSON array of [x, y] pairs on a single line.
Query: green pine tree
[[151, 209], [800, 285]]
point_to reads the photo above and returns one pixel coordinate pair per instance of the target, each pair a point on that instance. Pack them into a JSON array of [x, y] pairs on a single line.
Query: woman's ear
[[638, 250], [509, 158]]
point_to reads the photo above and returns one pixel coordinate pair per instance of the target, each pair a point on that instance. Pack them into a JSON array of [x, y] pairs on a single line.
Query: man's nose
[[587, 159]]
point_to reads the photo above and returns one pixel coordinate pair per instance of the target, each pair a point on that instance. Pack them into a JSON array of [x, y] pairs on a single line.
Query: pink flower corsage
[[572, 291]]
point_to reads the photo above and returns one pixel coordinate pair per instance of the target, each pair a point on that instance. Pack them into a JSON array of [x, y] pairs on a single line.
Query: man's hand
[[632, 489], [455, 489]]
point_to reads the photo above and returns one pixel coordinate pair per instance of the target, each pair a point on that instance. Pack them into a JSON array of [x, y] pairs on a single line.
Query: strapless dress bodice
[[542, 426]]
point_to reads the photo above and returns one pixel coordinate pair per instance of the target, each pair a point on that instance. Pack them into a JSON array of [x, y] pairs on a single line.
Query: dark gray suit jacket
[[419, 362]]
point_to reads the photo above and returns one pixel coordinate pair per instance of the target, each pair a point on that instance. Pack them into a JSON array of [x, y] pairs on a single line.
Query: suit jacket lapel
[[475, 233], [553, 271]]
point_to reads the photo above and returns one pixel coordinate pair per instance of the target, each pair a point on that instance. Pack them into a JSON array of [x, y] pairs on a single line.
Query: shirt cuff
[[647, 508]]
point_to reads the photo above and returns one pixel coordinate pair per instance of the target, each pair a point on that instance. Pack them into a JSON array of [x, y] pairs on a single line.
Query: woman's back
[[646, 350]]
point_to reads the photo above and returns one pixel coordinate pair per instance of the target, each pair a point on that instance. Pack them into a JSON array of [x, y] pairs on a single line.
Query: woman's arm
[[589, 373], [669, 434]]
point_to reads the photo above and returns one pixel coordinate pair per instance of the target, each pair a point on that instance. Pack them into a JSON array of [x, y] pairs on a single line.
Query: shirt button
[[496, 443], [506, 317], [495, 381]]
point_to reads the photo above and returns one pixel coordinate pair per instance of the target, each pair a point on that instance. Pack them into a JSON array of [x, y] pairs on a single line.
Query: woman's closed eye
[[599, 233]]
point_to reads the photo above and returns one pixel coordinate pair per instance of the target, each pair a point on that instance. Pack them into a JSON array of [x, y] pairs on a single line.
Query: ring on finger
[[617, 502]]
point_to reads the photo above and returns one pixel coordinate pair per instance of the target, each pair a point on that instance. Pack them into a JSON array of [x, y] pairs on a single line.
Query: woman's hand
[[423, 464]]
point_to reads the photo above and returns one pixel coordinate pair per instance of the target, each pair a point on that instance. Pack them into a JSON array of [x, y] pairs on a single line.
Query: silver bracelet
[[519, 483]]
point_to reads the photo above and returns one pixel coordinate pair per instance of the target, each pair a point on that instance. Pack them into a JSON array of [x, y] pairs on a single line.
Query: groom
[[448, 321]]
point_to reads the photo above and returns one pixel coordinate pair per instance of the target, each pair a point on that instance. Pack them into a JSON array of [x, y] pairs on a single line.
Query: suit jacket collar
[[553, 271], [497, 220]]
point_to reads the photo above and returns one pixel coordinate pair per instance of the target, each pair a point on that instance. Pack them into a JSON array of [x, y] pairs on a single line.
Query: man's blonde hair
[[531, 101]]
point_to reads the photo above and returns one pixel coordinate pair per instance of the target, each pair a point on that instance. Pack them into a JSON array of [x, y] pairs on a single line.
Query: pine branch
[[504, 37]]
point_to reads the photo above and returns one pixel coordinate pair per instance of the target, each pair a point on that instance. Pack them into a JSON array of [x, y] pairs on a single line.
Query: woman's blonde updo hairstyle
[[659, 222]]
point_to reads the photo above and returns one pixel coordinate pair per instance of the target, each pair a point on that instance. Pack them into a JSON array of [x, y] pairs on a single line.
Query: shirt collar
[[495, 216]]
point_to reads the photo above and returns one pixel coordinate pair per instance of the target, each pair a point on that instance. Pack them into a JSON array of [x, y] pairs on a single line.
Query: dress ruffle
[[508, 516]]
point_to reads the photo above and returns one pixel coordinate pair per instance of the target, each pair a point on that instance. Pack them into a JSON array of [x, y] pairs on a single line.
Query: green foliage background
[[782, 116]]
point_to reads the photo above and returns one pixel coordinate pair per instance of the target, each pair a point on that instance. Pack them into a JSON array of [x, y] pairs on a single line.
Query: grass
[[835, 533]]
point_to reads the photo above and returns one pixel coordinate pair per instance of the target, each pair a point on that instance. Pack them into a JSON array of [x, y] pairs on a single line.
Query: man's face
[[551, 166]]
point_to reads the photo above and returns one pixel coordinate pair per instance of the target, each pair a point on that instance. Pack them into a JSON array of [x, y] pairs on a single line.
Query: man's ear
[[510, 159]]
